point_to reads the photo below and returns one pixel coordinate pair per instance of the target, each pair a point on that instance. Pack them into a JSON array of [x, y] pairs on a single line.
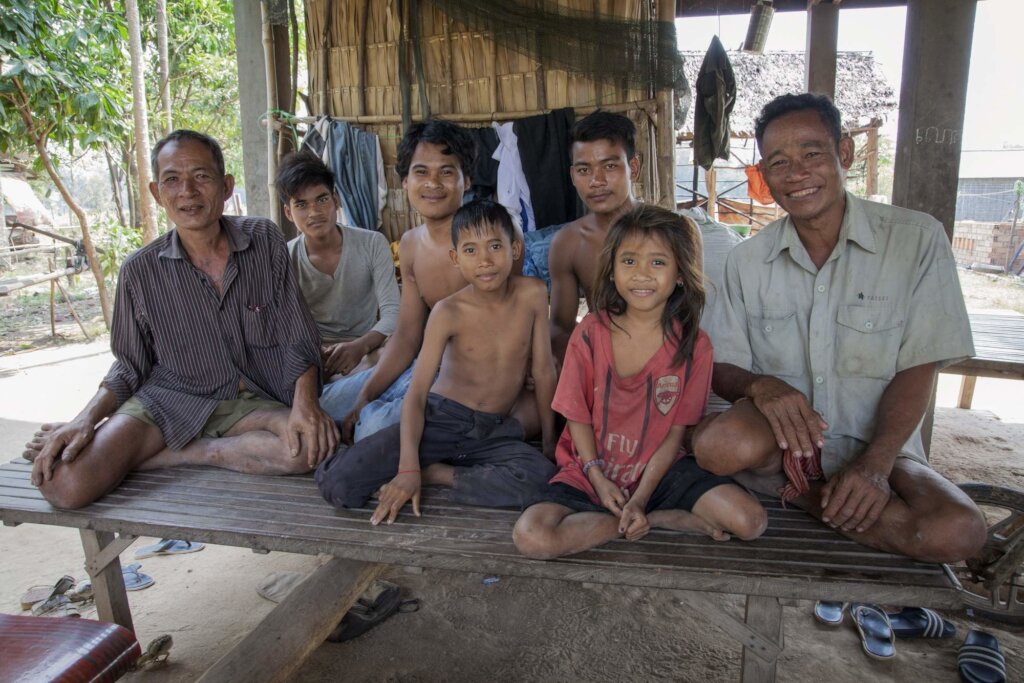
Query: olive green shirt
[[887, 299]]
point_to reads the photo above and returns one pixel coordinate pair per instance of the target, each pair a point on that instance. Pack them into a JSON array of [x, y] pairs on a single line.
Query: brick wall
[[987, 243]]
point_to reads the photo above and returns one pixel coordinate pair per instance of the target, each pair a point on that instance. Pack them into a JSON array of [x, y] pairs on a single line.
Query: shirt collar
[[855, 227], [237, 241]]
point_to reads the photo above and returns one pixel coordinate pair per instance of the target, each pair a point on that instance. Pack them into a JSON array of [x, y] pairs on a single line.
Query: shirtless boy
[[180, 392], [604, 166], [434, 159], [346, 274], [458, 427]]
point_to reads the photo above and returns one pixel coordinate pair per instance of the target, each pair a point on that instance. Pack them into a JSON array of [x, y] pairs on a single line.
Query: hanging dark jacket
[[713, 103]]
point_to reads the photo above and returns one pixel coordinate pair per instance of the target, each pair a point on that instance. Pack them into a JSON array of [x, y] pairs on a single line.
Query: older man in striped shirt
[[217, 358]]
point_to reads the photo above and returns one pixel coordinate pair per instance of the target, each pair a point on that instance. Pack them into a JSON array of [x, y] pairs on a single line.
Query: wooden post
[[107, 582], [764, 617], [270, 62], [822, 39], [712, 187], [666, 134], [871, 162]]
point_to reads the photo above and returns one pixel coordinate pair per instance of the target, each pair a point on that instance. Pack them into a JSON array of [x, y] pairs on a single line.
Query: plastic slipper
[[134, 580], [919, 622], [980, 659], [57, 606], [830, 613], [168, 546], [37, 594], [378, 603], [876, 634]]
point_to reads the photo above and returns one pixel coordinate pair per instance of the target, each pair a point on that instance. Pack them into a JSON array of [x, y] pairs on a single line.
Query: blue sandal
[[980, 660], [876, 634], [919, 622]]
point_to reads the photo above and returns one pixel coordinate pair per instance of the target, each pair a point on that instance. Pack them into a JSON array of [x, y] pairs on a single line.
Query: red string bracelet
[[408, 471]]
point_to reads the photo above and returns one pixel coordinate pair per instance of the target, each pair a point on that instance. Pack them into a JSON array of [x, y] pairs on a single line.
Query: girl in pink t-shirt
[[636, 375]]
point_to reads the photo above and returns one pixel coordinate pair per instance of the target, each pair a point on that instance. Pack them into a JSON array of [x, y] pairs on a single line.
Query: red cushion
[[66, 649]]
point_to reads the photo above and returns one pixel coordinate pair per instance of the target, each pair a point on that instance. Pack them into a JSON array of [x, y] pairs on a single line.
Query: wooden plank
[[108, 583], [764, 616], [738, 630], [966, 392], [276, 649]]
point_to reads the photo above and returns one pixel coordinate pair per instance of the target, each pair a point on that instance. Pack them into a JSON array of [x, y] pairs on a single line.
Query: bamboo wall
[[353, 56]]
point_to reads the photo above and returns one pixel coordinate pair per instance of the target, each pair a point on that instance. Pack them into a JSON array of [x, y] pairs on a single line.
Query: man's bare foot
[[439, 474], [39, 439], [681, 520]]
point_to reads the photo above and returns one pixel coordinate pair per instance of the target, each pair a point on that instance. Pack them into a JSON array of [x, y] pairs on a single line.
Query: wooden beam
[[666, 133], [108, 583], [764, 617], [822, 42], [871, 162], [711, 8], [275, 650]]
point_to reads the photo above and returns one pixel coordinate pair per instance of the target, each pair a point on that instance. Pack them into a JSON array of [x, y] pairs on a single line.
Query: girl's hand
[[396, 494], [633, 522], [610, 495]]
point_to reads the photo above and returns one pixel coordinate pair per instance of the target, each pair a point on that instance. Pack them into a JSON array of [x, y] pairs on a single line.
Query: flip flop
[[830, 613], [134, 580], [381, 601], [37, 594], [876, 634], [168, 546], [980, 660], [920, 622]]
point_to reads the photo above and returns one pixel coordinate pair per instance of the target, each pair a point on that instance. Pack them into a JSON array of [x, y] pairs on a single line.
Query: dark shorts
[[680, 489]]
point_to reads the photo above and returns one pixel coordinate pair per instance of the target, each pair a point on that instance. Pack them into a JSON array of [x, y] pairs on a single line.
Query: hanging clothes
[[715, 98], [544, 153], [353, 155], [484, 174], [757, 188], [513, 191]]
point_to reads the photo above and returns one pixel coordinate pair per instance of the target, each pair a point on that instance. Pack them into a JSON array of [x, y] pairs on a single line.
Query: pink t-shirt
[[631, 416]]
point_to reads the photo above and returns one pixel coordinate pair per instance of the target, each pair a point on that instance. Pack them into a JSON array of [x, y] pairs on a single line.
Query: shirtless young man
[[434, 159], [828, 333], [604, 166], [216, 356], [456, 423]]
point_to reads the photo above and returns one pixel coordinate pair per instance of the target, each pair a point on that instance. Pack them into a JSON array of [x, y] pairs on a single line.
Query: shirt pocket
[[259, 324], [775, 342], [868, 341]]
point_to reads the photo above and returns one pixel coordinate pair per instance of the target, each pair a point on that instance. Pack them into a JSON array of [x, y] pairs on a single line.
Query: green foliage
[[117, 243], [62, 61]]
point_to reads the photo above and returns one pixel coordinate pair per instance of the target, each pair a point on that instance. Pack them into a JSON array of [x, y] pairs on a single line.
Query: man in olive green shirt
[[828, 332]]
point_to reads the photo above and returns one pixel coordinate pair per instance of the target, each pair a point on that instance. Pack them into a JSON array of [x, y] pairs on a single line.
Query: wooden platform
[[999, 352], [797, 557]]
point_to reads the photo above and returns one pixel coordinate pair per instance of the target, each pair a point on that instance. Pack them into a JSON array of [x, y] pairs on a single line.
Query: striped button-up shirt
[[180, 346]]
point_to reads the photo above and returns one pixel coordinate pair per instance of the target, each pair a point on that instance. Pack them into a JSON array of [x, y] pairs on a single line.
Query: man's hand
[[855, 497], [395, 494], [65, 443], [610, 495], [796, 425], [312, 433], [633, 521], [340, 359]]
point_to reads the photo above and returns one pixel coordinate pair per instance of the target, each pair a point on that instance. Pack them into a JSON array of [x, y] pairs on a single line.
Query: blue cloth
[[536, 245], [353, 158], [339, 397]]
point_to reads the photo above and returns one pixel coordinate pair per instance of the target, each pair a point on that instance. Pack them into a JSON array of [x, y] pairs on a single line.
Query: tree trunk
[[90, 251], [165, 69], [141, 123], [115, 186]]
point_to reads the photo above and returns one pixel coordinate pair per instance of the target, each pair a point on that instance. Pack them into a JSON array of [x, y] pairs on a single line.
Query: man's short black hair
[[789, 103], [301, 170], [453, 138], [184, 135], [479, 213], [604, 125]]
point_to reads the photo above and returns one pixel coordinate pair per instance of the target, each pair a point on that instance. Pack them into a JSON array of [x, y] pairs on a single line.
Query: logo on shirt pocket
[[666, 393]]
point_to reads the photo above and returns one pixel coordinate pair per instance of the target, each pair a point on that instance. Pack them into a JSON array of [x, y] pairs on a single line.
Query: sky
[[995, 95]]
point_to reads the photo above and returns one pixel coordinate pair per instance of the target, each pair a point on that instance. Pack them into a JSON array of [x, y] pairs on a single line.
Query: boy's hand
[[395, 494], [610, 495], [348, 425], [340, 359], [633, 522], [548, 449]]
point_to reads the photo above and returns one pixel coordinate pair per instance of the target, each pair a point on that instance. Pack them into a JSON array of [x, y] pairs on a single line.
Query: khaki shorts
[[225, 416]]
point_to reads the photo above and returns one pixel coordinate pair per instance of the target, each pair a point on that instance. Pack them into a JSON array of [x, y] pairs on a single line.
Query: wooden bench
[[999, 349], [797, 558]]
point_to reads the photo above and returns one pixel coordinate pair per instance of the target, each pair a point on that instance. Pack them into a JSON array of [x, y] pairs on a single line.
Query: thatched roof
[[863, 93]]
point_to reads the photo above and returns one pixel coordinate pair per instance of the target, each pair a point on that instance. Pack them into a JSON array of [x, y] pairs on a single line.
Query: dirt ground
[[511, 630]]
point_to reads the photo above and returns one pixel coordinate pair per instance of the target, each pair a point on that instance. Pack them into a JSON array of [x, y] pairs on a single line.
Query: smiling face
[[189, 186], [603, 175], [484, 255], [314, 210], [645, 272], [435, 183], [805, 169]]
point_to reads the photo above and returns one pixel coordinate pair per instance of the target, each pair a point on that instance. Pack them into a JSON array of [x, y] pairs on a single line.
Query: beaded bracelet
[[591, 463]]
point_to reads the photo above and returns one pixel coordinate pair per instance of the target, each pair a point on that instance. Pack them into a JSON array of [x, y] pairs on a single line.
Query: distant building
[[985, 192]]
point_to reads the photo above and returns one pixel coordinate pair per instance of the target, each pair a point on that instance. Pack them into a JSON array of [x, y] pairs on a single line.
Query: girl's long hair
[[680, 320]]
